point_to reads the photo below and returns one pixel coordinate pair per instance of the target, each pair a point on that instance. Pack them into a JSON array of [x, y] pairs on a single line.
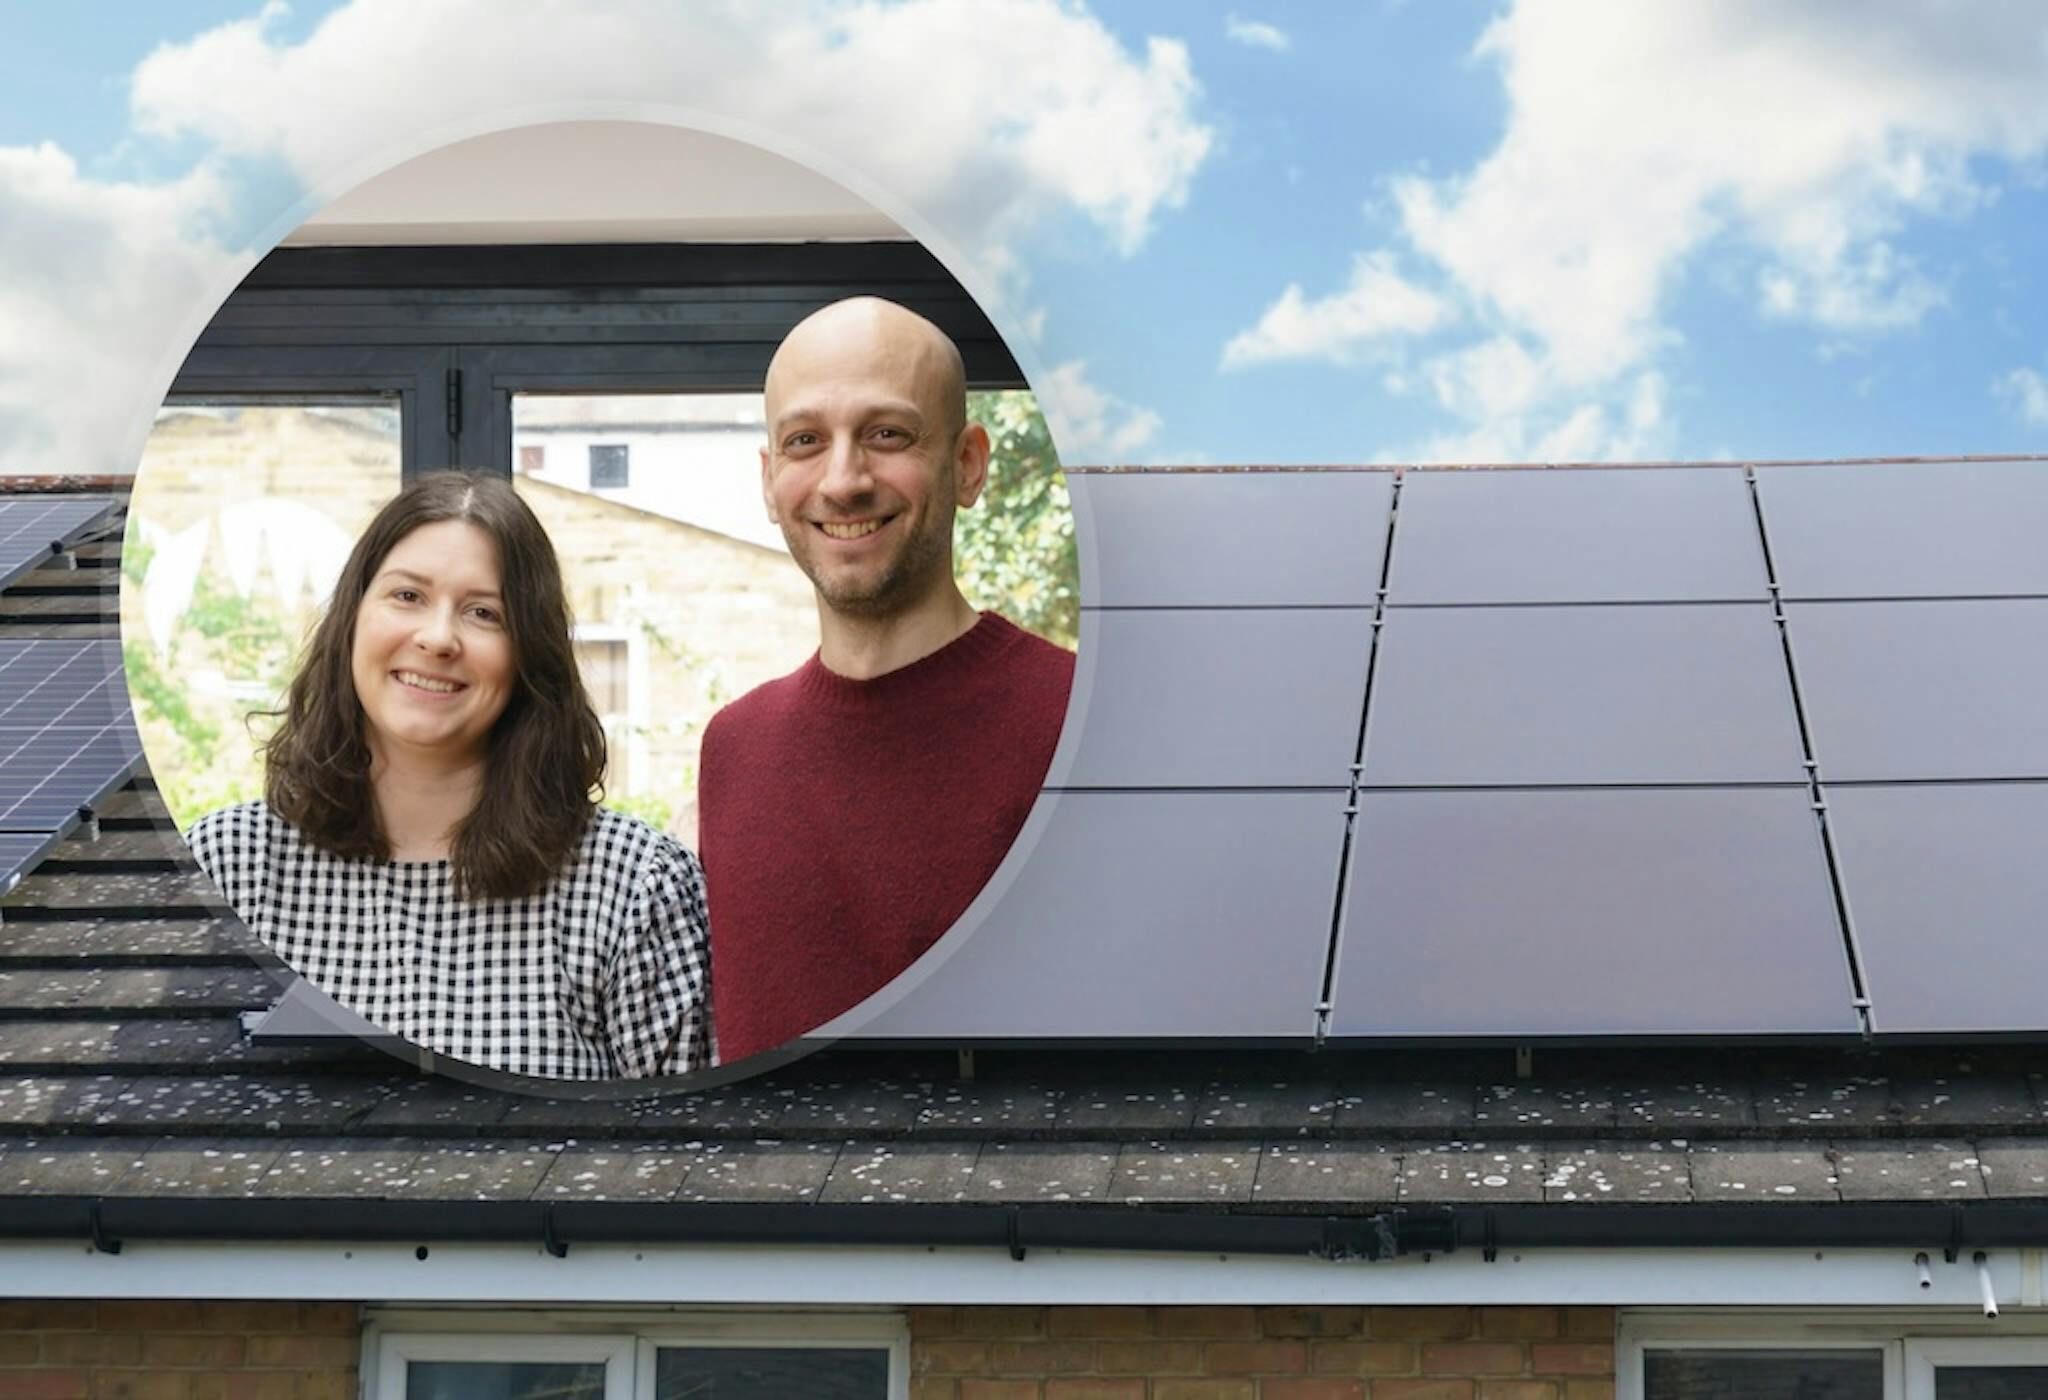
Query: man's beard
[[901, 582]]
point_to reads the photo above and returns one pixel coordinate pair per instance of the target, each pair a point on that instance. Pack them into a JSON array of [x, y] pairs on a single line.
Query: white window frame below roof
[[394, 1352], [1904, 1335], [628, 1337], [1925, 1354]]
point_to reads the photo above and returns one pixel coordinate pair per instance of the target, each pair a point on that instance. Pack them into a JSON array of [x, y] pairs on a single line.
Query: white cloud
[[108, 281], [2025, 392], [1077, 121], [1256, 34], [1376, 304], [1088, 425], [107, 284], [1804, 138]]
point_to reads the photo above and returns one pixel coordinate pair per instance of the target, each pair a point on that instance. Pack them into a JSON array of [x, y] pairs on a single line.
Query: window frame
[[1924, 1354], [394, 1337]]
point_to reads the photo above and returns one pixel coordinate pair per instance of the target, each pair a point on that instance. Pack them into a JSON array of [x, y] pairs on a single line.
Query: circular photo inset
[[601, 600]]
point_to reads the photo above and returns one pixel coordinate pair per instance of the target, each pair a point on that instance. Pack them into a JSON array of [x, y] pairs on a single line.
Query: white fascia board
[[500, 1274]]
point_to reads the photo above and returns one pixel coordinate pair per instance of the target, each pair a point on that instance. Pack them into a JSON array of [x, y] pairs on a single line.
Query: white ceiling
[[595, 182]]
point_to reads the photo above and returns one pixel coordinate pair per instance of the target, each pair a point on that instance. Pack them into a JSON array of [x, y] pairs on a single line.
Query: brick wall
[[178, 1351], [1241, 1353]]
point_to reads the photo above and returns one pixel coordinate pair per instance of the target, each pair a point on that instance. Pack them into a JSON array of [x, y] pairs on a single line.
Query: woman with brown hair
[[428, 851]]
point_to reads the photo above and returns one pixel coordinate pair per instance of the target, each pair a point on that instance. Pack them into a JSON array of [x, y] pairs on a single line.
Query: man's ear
[[970, 464], [767, 496]]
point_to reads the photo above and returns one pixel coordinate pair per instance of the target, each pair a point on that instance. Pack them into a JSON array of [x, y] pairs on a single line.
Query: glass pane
[[1776, 1374], [654, 504], [1990, 1382], [771, 1373], [504, 1380], [242, 516]]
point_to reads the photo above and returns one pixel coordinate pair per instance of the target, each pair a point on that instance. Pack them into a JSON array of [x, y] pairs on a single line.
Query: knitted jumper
[[844, 824]]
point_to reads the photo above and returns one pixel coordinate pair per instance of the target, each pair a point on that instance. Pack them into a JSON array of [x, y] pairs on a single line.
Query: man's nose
[[846, 469]]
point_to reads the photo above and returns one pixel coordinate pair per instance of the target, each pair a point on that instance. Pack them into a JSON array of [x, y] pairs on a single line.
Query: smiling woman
[[428, 850]]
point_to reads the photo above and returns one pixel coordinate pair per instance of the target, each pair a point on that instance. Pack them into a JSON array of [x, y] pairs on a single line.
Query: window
[[608, 469], [1819, 1356], [505, 1355]]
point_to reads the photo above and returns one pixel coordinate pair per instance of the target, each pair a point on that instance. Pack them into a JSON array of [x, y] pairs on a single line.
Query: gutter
[[110, 1223]]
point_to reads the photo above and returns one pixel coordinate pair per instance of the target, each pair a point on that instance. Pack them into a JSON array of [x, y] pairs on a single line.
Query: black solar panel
[[1634, 911], [32, 528], [1654, 534], [1948, 891], [67, 737]]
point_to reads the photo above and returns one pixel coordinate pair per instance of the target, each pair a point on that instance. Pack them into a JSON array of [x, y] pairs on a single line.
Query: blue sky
[[1275, 233]]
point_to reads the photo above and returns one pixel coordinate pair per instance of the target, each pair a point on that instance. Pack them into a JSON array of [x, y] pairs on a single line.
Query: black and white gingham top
[[605, 973]]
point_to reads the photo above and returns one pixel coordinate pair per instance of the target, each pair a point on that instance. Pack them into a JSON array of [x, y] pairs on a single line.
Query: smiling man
[[850, 811]]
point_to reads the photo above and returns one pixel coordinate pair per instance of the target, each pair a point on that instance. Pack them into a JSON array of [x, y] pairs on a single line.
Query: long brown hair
[[546, 753]]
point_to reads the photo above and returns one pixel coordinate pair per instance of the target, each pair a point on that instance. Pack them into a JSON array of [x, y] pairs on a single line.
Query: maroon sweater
[[846, 824]]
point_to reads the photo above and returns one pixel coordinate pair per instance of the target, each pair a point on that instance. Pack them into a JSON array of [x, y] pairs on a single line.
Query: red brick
[[307, 1353], [340, 1318], [328, 1385], [142, 1385], [193, 1349], [1149, 1358], [92, 1348], [249, 1317], [148, 1314], [1206, 1322], [1572, 1359], [1311, 1322], [998, 1390], [1520, 1324], [949, 1358], [1472, 1359], [1118, 1323], [1418, 1324], [1422, 1390], [934, 1389], [1040, 1358], [1002, 1322], [1589, 1390], [933, 1322], [1518, 1390], [19, 1348], [32, 1314], [1312, 1388], [260, 1385], [1589, 1324], [1256, 1358], [1362, 1358], [1204, 1390], [46, 1385], [1096, 1389]]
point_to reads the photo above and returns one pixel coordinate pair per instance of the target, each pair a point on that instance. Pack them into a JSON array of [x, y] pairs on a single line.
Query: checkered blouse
[[605, 973]]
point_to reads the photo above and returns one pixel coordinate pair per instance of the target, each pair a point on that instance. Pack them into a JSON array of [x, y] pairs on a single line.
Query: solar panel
[[1581, 695], [1263, 697], [1642, 535], [1585, 912], [33, 528], [1926, 689], [1946, 885], [67, 737], [1161, 915], [19, 851], [1234, 539], [1892, 530]]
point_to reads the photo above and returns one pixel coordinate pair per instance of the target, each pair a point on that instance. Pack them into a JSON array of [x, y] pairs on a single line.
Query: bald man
[[850, 811]]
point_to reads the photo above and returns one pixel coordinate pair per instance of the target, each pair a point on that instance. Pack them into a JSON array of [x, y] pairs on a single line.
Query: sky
[[1274, 233]]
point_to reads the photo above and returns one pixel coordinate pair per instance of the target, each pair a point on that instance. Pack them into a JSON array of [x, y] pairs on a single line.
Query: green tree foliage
[[1015, 550]]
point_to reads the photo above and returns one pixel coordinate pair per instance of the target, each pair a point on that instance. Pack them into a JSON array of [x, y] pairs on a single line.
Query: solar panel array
[[1378, 756], [67, 736]]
